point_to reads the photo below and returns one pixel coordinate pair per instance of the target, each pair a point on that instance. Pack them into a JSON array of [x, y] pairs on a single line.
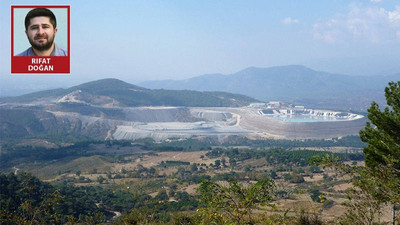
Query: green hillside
[[132, 95]]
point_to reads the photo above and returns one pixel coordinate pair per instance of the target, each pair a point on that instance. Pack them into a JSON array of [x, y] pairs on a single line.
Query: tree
[[234, 201], [287, 176], [274, 175], [162, 195], [316, 195], [232, 162], [382, 134], [193, 167], [100, 179], [223, 161], [217, 163], [297, 178]]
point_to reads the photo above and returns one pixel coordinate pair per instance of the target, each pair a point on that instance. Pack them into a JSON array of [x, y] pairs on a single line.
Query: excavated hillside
[[166, 122], [112, 109]]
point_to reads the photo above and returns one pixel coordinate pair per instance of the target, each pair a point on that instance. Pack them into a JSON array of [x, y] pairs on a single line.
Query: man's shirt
[[56, 52]]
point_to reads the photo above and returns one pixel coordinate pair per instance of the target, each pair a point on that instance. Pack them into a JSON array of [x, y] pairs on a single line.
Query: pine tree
[[382, 134]]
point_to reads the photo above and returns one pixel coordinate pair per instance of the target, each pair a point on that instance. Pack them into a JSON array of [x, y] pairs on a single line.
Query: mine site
[[107, 117], [251, 121]]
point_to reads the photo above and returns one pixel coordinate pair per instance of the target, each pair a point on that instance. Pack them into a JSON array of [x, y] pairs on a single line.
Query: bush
[[307, 219], [328, 204], [287, 176], [183, 219], [296, 178], [316, 195]]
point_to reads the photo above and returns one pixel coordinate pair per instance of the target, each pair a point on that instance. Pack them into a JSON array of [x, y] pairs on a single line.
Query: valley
[[120, 151], [174, 169], [178, 166]]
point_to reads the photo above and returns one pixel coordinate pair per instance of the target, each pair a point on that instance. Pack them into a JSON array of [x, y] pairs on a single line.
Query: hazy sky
[[146, 40]]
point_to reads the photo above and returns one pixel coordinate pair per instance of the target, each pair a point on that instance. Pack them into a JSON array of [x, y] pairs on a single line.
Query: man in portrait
[[41, 30]]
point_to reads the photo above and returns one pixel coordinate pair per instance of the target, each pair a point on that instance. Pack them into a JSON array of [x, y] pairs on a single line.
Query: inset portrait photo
[[40, 39]]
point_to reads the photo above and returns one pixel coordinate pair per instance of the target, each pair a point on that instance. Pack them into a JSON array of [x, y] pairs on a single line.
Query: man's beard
[[44, 46]]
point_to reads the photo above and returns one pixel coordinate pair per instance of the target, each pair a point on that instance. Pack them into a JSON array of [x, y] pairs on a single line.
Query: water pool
[[307, 118]]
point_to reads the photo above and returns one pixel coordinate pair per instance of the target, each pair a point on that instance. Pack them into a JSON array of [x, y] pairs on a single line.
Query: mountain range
[[294, 84]]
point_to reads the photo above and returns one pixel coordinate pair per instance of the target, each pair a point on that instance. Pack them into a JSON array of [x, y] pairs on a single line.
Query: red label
[[30, 64]]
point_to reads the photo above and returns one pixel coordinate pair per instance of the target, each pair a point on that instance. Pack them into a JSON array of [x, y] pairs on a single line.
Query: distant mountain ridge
[[296, 84], [120, 93]]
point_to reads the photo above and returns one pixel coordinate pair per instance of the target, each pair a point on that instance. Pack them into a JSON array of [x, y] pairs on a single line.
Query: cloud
[[371, 24], [394, 16], [289, 20], [376, 1]]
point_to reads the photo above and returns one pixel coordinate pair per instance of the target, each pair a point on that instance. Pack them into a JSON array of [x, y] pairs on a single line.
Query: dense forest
[[24, 198]]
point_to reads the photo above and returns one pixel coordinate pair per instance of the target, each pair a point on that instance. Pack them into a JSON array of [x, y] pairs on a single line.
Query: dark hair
[[40, 12]]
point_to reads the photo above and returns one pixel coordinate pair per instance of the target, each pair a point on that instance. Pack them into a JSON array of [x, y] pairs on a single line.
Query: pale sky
[[157, 39]]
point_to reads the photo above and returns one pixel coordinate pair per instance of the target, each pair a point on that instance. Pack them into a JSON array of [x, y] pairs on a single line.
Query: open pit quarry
[[161, 123], [109, 109]]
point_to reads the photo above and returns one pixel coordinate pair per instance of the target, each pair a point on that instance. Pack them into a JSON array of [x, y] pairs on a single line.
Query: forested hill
[[120, 93]]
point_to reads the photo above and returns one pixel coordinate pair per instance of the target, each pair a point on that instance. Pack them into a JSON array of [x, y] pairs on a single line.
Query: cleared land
[[228, 121]]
